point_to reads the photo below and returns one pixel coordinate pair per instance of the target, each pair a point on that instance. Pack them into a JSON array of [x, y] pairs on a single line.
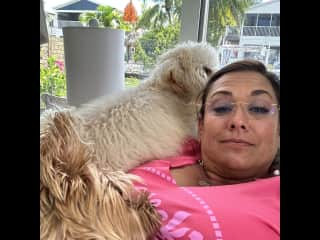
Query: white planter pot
[[94, 61]]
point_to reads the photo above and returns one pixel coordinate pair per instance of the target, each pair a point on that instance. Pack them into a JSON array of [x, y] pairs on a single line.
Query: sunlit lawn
[[131, 82]]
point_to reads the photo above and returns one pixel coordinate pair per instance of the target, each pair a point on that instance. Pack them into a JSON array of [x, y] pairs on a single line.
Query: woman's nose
[[238, 119]]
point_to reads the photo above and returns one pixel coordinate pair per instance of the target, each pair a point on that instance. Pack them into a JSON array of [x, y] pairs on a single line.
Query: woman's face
[[240, 140]]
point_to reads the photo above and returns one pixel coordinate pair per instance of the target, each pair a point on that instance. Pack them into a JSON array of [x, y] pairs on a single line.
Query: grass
[[131, 82]]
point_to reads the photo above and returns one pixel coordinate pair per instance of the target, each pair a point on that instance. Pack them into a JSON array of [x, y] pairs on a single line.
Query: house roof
[[77, 5]]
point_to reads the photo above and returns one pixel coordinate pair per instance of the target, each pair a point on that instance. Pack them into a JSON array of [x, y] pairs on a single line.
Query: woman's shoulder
[[189, 155], [169, 170]]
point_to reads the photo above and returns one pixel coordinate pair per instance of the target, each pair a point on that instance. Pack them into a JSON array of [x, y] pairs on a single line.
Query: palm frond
[[148, 16]]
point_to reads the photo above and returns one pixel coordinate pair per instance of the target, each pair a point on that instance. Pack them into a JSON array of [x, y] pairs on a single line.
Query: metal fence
[[261, 31]]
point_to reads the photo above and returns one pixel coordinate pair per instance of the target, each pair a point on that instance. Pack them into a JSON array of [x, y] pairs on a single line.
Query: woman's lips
[[236, 142]]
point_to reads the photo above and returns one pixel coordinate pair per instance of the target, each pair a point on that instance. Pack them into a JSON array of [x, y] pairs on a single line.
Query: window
[[264, 19], [159, 30], [256, 35], [275, 20], [69, 16], [250, 20]]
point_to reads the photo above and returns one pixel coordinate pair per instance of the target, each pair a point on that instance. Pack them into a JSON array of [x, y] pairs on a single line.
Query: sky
[[119, 4]]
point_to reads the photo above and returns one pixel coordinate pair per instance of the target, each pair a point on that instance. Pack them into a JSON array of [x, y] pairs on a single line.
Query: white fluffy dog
[[152, 120], [81, 149]]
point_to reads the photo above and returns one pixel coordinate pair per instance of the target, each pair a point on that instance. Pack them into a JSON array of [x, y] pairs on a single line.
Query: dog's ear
[[176, 69], [176, 87]]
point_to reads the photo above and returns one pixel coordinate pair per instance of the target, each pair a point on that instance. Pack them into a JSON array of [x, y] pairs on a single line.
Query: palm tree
[[162, 13], [224, 13]]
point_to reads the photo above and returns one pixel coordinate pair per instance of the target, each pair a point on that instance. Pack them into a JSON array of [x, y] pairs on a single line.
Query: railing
[[55, 31], [232, 30], [261, 31], [136, 71]]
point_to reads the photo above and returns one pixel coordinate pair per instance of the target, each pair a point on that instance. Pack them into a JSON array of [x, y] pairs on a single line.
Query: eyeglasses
[[257, 110]]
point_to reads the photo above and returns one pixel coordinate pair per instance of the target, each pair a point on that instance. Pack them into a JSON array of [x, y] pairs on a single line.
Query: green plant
[[131, 82], [162, 13], [155, 41], [224, 13], [107, 17], [141, 56], [52, 78]]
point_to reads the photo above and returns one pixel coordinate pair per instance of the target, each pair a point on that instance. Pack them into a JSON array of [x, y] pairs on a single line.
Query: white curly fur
[[152, 120]]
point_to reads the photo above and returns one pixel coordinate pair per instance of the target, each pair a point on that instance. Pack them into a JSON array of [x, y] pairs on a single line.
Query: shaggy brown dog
[[83, 195], [80, 201]]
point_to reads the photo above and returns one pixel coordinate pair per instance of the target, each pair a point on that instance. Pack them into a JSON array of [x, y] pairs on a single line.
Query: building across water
[[257, 38]]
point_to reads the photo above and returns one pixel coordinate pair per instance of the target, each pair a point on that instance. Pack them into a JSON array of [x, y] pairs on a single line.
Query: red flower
[[130, 13], [60, 64]]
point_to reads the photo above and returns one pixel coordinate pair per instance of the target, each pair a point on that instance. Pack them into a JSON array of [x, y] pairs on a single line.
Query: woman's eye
[[222, 109], [259, 110]]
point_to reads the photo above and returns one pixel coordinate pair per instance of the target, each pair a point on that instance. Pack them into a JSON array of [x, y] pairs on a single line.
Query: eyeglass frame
[[271, 113]]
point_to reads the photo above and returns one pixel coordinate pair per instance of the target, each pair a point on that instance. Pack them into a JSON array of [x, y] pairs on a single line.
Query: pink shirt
[[246, 211]]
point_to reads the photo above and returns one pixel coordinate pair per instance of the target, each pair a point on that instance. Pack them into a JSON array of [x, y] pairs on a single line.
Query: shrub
[[53, 78]]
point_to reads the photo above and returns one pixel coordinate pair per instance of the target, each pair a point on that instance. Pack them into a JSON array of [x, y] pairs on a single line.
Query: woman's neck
[[215, 179], [212, 177], [200, 176]]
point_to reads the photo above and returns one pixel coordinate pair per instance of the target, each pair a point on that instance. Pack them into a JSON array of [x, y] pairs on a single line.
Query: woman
[[226, 185]]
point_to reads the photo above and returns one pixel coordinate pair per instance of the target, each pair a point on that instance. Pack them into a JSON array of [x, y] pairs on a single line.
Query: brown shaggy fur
[[80, 201], [85, 152]]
